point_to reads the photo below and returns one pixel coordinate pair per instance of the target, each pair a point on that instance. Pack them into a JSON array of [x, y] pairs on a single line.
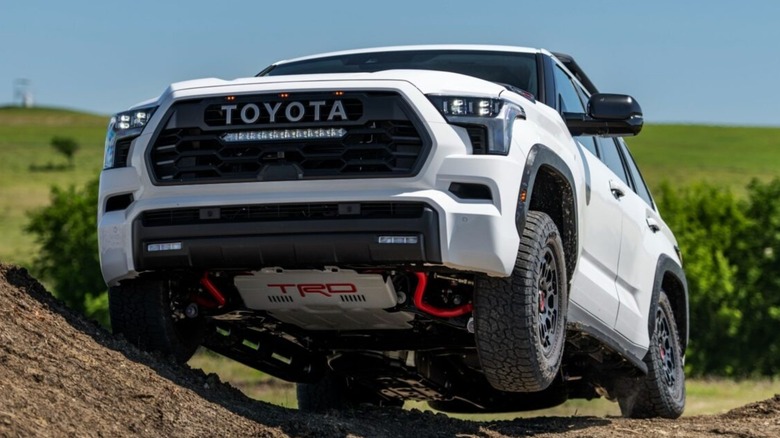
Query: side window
[[569, 101], [639, 183], [611, 157], [589, 143], [584, 97]]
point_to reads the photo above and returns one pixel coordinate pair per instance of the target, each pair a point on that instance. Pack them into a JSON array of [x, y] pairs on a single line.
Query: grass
[[705, 396], [25, 136], [726, 156]]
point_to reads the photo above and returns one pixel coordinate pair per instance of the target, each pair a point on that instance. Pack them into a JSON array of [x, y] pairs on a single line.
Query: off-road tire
[[142, 310], [661, 393], [333, 392], [520, 320]]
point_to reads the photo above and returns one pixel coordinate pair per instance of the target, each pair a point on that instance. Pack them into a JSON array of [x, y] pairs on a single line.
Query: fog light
[[398, 240], [169, 246]]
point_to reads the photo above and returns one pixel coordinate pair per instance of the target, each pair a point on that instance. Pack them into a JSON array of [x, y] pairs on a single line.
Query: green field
[[681, 153], [725, 156], [25, 136]]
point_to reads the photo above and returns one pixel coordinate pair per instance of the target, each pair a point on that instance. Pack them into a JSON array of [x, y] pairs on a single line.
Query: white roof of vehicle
[[487, 48]]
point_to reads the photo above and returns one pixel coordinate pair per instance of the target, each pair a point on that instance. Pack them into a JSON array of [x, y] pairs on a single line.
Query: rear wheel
[[661, 393], [148, 312], [520, 321]]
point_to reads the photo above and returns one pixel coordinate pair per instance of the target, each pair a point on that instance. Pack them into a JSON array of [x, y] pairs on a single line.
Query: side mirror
[[613, 115]]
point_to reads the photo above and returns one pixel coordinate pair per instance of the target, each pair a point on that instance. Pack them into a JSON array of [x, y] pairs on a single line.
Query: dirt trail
[[61, 375]]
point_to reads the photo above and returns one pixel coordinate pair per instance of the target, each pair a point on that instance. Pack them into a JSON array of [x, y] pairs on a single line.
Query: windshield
[[506, 68]]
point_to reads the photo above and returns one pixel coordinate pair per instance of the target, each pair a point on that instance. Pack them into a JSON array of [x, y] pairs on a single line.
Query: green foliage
[[758, 274], [66, 146], [65, 231], [729, 247]]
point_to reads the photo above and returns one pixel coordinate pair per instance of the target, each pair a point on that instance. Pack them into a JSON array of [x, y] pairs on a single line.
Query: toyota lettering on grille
[[286, 112]]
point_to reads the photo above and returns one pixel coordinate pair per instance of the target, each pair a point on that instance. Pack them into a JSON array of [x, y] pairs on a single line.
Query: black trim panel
[[542, 156], [315, 242], [550, 95], [610, 342], [667, 264]]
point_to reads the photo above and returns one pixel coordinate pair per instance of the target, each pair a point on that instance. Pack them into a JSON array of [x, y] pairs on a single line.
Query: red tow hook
[[422, 282], [205, 281]]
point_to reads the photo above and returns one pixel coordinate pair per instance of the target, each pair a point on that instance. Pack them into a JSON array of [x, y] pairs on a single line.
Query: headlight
[[494, 117], [124, 126], [467, 106]]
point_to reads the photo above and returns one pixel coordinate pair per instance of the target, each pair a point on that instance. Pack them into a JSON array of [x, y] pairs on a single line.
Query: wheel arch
[[670, 277], [548, 186]]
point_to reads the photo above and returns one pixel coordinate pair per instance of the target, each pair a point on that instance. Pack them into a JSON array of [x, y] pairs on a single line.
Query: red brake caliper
[[541, 300]]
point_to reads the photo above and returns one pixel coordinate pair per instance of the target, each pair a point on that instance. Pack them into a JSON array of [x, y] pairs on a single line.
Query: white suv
[[456, 224]]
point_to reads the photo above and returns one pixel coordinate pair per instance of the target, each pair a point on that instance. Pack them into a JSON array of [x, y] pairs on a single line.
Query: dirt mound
[[63, 375]]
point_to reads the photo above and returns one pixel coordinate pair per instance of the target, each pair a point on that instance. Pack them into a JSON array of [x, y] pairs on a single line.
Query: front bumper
[[463, 234]]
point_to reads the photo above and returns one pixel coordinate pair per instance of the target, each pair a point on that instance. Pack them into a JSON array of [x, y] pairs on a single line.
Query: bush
[[68, 259], [729, 249], [66, 146]]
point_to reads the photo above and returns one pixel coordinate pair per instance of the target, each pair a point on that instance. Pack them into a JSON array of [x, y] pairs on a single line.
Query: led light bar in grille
[[284, 134]]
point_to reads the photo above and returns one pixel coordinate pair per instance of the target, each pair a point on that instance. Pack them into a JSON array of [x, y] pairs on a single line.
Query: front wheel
[[146, 312], [661, 393], [520, 321]]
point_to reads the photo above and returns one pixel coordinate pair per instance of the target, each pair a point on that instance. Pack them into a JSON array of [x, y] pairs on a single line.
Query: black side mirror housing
[[613, 115]]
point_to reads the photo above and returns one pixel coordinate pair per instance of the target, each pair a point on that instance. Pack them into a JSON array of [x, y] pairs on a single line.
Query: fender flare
[[540, 156], [681, 303]]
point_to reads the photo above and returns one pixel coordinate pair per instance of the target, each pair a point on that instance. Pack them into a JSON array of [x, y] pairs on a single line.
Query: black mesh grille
[[380, 139], [282, 212]]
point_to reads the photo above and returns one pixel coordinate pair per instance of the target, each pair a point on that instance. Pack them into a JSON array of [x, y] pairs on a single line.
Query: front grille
[[282, 212], [382, 138]]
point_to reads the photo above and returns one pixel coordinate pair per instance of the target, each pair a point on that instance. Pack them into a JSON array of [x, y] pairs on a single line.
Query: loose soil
[[63, 375]]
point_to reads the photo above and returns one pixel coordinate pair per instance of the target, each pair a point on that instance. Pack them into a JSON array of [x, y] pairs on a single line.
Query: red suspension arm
[[422, 282]]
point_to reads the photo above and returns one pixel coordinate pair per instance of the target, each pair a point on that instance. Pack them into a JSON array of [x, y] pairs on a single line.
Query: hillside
[[61, 375], [25, 136], [727, 156], [681, 153]]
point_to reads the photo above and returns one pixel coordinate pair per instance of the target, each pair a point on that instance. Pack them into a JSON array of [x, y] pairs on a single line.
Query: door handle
[[616, 189], [653, 225]]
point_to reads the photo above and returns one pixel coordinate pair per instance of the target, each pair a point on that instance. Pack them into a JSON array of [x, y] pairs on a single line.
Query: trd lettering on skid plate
[[327, 289]]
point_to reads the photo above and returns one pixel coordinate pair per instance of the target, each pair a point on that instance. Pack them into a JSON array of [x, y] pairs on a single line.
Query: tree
[[68, 257], [66, 146]]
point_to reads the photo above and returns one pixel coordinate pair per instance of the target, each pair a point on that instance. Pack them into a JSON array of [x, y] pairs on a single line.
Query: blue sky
[[694, 61]]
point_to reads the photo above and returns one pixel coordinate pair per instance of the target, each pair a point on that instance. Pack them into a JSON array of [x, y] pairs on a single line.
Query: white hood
[[427, 81]]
